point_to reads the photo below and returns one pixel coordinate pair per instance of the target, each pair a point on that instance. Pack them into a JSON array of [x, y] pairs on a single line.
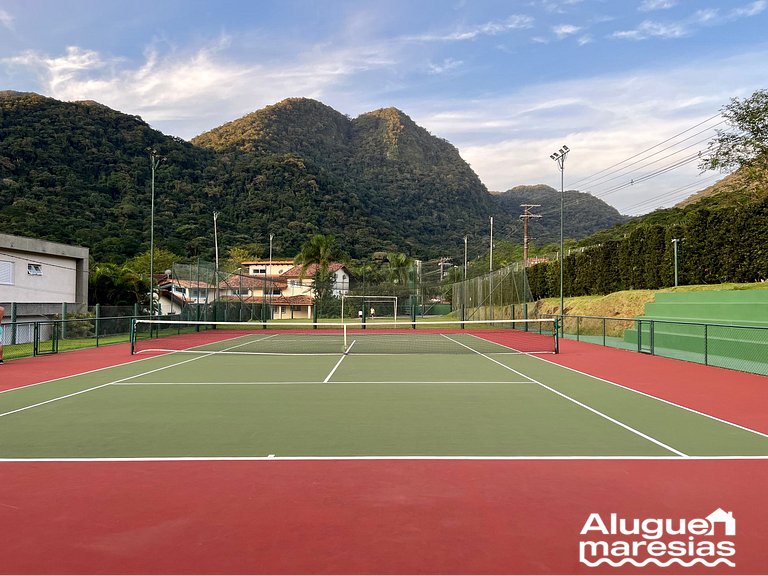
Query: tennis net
[[291, 338]]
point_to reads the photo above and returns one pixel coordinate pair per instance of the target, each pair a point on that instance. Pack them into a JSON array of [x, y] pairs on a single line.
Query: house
[[282, 286], [39, 279], [286, 302], [720, 516], [174, 293], [339, 283], [267, 267]]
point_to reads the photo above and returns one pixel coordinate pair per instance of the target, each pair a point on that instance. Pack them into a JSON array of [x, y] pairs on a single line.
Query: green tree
[[164, 260], [317, 254], [745, 143], [399, 265], [115, 285]]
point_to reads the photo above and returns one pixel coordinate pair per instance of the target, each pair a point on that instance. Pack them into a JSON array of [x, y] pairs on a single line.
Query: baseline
[[580, 404], [656, 398]]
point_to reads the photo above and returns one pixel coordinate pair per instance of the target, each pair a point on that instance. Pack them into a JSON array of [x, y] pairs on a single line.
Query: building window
[[259, 271], [35, 269], [6, 272]]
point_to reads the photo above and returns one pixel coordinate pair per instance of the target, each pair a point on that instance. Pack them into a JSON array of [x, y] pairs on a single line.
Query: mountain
[[583, 214], [79, 172], [378, 182]]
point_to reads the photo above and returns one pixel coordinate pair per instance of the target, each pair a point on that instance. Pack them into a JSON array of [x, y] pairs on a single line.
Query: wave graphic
[[658, 563]]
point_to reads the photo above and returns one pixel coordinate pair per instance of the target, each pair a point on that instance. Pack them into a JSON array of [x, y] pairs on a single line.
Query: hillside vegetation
[[79, 173]]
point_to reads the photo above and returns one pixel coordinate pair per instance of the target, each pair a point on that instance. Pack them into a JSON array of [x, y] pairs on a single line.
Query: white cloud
[[752, 9], [6, 20], [447, 65], [564, 30], [493, 28], [186, 93], [650, 29], [710, 15], [604, 120], [651, 5]]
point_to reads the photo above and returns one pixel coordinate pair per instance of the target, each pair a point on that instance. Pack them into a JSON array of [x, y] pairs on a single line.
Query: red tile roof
[[295, 272]]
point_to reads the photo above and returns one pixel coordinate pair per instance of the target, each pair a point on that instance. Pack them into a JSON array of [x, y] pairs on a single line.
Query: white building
[[37, 277]]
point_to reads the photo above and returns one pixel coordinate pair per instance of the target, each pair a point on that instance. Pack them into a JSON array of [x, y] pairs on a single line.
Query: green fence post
[[63, 319], [604, 330], [98, 317], [706, 345], [14, 312]]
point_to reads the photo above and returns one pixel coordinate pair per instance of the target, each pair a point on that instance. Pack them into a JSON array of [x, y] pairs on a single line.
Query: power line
[[625, 169], [651, 148]]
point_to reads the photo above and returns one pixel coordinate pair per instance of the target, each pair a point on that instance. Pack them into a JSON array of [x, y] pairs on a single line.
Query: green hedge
[[722, 245]]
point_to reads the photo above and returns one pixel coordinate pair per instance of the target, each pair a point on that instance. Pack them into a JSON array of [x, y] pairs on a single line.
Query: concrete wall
[[63, 278]]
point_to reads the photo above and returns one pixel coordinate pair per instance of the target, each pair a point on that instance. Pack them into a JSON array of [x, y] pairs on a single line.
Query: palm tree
[[318, 251], [399, 265], [116, 285]]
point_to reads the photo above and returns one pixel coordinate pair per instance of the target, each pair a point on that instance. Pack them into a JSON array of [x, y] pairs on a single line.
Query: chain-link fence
[[743, 348], [497, 295]]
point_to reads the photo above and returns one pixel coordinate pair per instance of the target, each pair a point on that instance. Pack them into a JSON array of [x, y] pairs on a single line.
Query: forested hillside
[[583, 213], [79, 172]]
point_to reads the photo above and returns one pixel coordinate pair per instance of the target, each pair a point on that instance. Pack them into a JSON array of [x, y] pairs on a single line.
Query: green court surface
[[464, 404]]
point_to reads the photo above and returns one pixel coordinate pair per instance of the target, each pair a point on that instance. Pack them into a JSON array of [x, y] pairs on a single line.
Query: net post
[[557, 336], [133, 335]]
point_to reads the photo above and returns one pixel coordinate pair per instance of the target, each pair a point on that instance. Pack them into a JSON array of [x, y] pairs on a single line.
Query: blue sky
[[633, 87]]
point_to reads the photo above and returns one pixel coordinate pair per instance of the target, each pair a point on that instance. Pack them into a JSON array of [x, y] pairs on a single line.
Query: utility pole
[[525, 216], [443, 263]]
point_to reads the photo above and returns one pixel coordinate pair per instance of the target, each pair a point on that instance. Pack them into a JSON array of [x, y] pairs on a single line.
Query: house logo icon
[[618, 541], [727, 520]]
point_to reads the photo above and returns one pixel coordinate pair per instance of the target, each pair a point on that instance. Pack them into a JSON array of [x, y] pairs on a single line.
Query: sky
[[634, 88]]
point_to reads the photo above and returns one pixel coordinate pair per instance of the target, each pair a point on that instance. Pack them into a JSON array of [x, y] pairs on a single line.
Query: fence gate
[[645, 336], [47, 337]]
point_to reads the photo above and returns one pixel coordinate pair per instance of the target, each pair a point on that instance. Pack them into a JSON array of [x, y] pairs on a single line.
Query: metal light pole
[[490, 258], [216, 248], [675, 242], [560, 157], [154, 162], [271, 284], [464, 300]]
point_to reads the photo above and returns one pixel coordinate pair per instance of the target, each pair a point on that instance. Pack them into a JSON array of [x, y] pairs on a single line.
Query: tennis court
[[369, 451]]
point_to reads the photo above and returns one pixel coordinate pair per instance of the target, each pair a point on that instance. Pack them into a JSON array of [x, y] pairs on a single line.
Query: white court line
[[312, 382], [669, 402], [273, 458], [78, 374], [49, 401], [581, 404], [29, 407], [327, 378]]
